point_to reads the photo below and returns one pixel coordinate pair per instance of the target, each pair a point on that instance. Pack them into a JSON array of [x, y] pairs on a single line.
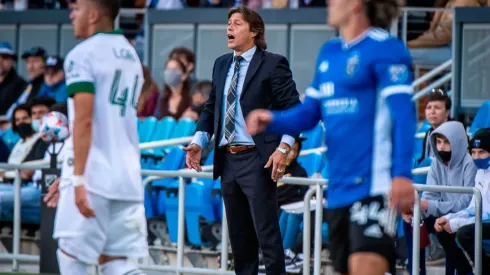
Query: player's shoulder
[[386, 44]]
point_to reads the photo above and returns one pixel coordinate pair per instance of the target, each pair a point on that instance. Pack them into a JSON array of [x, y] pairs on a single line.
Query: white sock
[[69, 265], [121, 267]]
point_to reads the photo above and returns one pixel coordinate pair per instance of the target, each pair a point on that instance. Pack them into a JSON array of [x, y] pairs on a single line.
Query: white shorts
[[118, 229]]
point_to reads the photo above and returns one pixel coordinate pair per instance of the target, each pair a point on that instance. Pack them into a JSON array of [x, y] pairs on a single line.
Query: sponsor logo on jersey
[[344, 105], [398, 73]]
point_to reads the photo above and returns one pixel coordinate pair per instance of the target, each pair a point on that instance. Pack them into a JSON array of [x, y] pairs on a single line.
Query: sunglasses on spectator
[[439, 91]]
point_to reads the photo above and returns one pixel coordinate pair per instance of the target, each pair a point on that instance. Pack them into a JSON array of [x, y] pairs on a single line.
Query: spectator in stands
[[175, 98], [11, 84], [39, 107], [200, 94], [434, 45], [448, 225], [187, 57], [29, 148], [437, 112], [35, 59], [149, 95], [54, 80], [452, 166], [58, 146]]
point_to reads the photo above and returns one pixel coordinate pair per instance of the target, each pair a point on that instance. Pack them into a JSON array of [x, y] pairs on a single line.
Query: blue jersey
[[362, 91]]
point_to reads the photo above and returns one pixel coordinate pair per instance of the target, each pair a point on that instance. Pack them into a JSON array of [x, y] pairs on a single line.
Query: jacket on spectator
[[440, 31], [31, 90], [467, 216], [460, 171], [10, 89], [58, 91]]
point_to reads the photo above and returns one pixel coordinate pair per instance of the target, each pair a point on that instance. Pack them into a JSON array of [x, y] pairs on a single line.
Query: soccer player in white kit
[[100, 215]]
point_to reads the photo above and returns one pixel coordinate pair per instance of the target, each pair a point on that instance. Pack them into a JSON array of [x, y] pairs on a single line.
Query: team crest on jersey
[[323, 66], [398, 73], [352, 64]]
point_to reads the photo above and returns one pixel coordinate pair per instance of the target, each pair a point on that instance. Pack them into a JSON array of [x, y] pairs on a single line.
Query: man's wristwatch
[[283, 150]]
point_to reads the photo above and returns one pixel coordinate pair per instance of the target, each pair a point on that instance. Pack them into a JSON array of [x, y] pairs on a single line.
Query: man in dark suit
[[248, 79]]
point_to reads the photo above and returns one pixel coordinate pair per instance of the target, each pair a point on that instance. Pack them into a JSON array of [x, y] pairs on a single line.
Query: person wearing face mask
[[462, 224], [175, 98], [452, 166], [30, 147], [39, 107]]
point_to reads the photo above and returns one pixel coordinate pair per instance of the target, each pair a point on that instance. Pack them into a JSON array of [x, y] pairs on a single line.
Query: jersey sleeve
[[394, 79], [79, 76]]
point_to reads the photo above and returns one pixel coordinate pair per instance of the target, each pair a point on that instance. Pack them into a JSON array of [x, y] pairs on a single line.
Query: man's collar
[[248, 55]]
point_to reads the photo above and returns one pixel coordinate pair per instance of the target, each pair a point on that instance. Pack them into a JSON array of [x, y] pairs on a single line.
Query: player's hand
[[51, 198], [193, 157], [440, 224], [402, 194], [278, 162], [82, 202], [258, 120], [407, 218]]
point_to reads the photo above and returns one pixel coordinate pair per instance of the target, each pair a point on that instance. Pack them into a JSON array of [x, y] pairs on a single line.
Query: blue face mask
[[482, 163], [36, 123]]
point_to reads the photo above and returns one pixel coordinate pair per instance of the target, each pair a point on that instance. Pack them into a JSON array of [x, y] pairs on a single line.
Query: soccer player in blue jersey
[[362, 91]]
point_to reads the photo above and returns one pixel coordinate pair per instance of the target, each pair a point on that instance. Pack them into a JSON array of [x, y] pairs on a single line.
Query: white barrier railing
[[319, 183]]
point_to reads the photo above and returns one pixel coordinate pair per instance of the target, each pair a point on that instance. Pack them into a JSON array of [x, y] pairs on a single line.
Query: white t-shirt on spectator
[[19, 153]]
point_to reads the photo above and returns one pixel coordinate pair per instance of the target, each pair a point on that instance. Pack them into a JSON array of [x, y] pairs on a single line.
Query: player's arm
[[82, 129], [394, 79]]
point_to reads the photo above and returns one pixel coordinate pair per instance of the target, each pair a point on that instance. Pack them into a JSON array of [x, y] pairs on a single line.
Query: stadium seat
[[209, 183], [324, 172], [217, 200], [31, 201], [171, 203], [155, 191], [184, 128], [314, 138], [198, 209], [312, 163], [10, 138], [324, 231], [422, 179], [146, 129], [163, 131], [481, 119]]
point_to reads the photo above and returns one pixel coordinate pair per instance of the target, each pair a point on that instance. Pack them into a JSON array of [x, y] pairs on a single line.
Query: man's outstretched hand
[[193, 157], [258, 120], [402, 194]]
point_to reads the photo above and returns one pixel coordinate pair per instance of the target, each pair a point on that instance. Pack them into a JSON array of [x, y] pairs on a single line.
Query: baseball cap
[[6, 49], [481, 139], [54, 62], [34, 51]]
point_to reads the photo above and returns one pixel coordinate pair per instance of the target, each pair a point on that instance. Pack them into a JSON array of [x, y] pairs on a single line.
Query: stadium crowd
[[455, 158]]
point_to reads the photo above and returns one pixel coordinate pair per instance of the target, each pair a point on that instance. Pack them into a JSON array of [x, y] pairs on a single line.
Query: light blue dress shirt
[[242, 137]]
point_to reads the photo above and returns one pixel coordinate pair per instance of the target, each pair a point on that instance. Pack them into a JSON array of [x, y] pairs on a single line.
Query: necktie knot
[[238, 59]]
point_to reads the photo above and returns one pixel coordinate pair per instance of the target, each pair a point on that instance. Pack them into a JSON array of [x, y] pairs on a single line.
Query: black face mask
[[445, 156], [25, 130]]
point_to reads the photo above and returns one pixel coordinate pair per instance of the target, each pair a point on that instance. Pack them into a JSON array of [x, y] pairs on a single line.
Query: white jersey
[[107, 65]]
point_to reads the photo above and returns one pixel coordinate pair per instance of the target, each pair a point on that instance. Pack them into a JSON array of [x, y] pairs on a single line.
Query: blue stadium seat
[[31, 201], [217, 200], [184, 127], [209, 183], [163, 131], [312, 163], [481, 119], [314, 138], [10, 138], [146, 129], [324, 172], [155, 192], [422, 179], [324, 230], [198, 208], [172, 209]]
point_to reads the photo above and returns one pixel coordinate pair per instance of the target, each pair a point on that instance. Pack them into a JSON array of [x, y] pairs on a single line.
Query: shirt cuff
[[201, 138], [289, 140]]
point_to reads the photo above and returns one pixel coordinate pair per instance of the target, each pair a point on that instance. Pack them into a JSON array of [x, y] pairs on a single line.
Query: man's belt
[[235, 149]]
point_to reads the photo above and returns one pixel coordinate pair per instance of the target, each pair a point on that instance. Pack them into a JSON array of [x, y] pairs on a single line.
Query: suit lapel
[[252, 69], [221, 82]]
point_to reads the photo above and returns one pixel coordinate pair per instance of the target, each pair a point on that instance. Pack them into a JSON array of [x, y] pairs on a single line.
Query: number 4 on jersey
[[120, 98]]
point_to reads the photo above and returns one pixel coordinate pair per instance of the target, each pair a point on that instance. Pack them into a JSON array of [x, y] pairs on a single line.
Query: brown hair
[[148, 86], [439, 95], [184, 103], [382, 12], [183, 51], [254, 21]]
